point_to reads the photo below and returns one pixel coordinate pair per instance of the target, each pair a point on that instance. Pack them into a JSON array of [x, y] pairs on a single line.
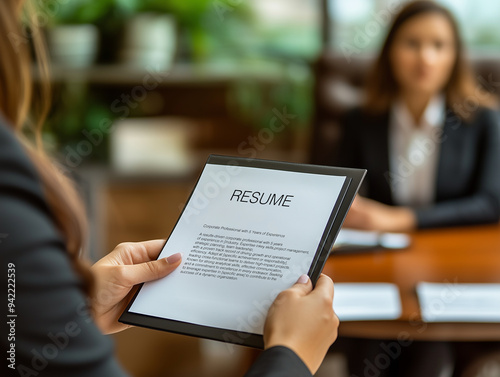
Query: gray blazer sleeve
[[279, 362]]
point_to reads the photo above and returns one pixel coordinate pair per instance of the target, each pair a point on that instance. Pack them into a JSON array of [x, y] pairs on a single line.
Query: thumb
[[324, 287], [154, 270], [303, 286]]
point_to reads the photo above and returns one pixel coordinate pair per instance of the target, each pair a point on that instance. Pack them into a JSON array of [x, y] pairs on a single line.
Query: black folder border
[[354, 178]]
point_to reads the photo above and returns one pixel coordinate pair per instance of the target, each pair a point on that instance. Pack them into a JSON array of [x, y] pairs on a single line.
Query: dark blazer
[[54, 334], [467, 187]]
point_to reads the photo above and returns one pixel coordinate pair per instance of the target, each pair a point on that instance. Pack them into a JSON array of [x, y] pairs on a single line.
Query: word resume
[[246, 234]]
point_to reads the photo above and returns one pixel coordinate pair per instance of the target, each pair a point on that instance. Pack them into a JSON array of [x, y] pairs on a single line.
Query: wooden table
[[456, 255]]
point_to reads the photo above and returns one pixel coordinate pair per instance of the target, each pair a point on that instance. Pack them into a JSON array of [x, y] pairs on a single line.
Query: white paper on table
[[241, 304], [367, 301], [356, 237], [452, 302], [362, 238]]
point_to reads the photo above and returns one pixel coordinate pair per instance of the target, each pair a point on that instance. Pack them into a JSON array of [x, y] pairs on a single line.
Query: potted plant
[[191, 22], [77, 27], [150, 35]]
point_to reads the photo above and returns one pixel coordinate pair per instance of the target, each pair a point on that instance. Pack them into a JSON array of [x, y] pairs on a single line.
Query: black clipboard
[[350, 186]]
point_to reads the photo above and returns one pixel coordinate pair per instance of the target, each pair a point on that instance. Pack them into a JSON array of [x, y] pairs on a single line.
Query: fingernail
[[303, 279], [174, 258]]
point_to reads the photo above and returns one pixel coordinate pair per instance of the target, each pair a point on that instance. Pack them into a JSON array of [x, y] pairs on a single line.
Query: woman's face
[[423, 54]]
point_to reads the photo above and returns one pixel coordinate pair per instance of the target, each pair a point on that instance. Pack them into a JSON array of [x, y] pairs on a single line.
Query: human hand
[[118, 272], [303, 320], [367, 214]]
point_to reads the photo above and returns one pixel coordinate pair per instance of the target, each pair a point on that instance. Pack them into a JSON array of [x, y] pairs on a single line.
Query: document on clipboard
[[248, 231]]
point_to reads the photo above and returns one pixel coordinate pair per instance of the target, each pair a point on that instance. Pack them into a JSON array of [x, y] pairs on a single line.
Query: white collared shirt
[[414, 152]]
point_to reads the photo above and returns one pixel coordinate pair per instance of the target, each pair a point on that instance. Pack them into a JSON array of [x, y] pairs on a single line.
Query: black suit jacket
[[53, 333], [467, 187]]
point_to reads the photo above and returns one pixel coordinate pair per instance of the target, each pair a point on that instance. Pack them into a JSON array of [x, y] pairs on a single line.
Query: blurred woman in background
[[43, 230], [430, 140], [426, 132]]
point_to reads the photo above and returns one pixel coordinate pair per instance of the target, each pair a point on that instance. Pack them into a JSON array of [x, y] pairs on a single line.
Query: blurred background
[[145, 90]]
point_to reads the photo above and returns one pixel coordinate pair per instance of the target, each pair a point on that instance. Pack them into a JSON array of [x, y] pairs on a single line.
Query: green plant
[[92, 12], [253, 100], [187, 13], [80, 111]]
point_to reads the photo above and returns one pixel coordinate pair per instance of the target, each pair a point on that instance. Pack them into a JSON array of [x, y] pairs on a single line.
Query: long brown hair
[[26, 109], [382, 87]]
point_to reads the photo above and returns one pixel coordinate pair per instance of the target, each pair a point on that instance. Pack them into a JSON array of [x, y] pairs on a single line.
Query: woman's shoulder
[[30, 240], [8, 139], [26, 216], [480, 116], [15, 166], [487, 115]]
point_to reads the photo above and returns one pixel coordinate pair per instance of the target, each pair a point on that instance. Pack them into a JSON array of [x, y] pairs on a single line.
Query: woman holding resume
[[42, 230]]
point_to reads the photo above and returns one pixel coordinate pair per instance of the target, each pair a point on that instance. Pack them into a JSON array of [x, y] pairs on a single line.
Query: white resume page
[[246, 234]]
